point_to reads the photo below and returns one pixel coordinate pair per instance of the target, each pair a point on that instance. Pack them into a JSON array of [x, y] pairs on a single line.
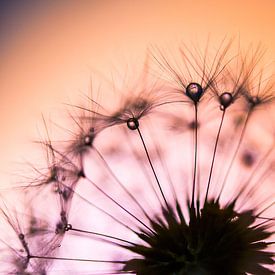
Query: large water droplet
[[194, 91], [132, 123], [226, 100]]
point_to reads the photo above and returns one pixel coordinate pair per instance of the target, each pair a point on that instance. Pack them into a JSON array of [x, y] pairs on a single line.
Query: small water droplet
[[194, 91], [87, 140], [68, 227], [132, 123], [226, 99]]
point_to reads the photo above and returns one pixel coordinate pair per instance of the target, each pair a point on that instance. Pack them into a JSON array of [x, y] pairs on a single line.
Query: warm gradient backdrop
[[49, 49]]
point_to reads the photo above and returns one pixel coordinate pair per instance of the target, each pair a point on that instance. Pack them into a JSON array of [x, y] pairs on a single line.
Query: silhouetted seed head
[[194, 91], [215, 241]]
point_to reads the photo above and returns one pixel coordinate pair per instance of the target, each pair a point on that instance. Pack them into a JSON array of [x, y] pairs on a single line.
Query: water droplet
[[226, 99], [194, 91], [89, 137], [132, 123], [21, 236], [87, 140], [68, 227]]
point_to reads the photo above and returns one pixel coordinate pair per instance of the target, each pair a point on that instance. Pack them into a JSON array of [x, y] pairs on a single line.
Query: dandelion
[[175, 179]]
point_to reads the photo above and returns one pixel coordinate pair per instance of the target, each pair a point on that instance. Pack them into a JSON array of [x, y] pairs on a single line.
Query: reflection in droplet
[[194, 91], [132, 123], [226, 100]]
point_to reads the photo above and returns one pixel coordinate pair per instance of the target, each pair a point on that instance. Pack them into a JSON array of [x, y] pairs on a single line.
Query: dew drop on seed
[[132, 123], [68, 227], [87, 140], [226, 100], [194, 91]]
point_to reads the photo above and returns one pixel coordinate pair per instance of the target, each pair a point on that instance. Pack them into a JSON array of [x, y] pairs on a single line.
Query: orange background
[[48, 51]]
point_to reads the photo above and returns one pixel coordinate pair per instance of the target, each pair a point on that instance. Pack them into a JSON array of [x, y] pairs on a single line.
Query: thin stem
[[265, 218], [144, 170], [266, 208], [121, 184], [118, 204], [166, 170], [99, 234], [236, 151], [74, 259], [195, 155], [152, 167], [214, 155], [104, 212]]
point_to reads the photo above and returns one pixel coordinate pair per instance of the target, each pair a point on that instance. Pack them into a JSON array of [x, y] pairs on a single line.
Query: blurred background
[[50, 49]]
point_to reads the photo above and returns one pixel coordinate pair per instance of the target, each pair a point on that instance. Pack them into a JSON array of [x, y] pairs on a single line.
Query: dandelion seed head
[[124, 194]]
